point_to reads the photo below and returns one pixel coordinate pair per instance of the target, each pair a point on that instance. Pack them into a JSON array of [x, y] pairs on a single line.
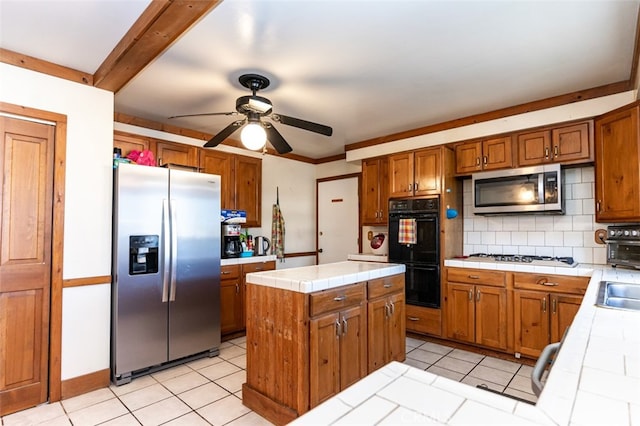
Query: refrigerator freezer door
[[194, 302], [139, 314]]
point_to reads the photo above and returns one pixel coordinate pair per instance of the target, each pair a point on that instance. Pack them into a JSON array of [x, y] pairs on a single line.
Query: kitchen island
[[595, 379], [315, 330]]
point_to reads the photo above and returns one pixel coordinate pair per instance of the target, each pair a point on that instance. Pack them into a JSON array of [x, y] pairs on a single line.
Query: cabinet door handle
[[477, 161], [413, 318], [477, 295], [344, 326], [546, 153], [393, 308], [543, 281], [237, 289], [555, 151], [474, 277], [387, 285], [410, 187], [226, 272], [337, 329], [470, 295], [386, 310], [258, 268], [484, 159], [340, 298], [415, 186], [544, 304], [553, 305], [598, 206]]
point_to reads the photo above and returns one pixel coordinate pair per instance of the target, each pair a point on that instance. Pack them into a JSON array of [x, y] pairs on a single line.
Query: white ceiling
[[365, 68]]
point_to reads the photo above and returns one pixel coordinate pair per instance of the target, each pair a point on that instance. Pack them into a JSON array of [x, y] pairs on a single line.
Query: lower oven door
[[422, 285]]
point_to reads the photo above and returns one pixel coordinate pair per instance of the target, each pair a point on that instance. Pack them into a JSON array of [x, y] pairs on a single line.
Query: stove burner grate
[[523, 258]]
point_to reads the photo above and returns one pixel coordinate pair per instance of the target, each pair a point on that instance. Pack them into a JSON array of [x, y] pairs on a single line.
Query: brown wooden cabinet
[[567, 144], [415, 173], [476, 307], [231, 300], [387, 321], [544, 306], [222, 164], [176, 153], [375, 191], [128, 142], [303, 348], [241, 182], [338, 351], [617, 171], [233, 293], [485, 154], [424, 320]]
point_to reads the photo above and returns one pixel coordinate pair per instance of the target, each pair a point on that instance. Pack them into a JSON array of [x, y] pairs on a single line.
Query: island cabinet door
[[397, 328], [378, 341], [353, 346], [324, 351]]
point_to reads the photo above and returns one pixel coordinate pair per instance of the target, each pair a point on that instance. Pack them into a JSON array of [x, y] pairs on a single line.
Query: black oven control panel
[[623, 246]]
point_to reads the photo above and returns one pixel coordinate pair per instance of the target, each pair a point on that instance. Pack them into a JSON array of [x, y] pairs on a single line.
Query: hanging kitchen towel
[[277, 229], [407, 231]]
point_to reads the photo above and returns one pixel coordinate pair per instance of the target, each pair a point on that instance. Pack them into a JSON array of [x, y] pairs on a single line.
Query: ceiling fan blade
[[303, 124], [225, 133], [205, 114], [277, 140]]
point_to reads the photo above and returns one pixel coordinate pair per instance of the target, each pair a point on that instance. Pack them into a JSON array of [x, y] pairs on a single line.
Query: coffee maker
[[231, 246]]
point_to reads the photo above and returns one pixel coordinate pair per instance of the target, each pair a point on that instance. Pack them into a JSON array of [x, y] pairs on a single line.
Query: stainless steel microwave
[[536, 189]]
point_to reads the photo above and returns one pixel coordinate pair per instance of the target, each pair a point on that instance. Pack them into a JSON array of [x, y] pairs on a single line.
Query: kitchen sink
[[619, 295]]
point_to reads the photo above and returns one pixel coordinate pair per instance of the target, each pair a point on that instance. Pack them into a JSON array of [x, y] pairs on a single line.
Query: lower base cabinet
[[387, 322], [303, 348], [232, 294], [544, 307], [424, 320]]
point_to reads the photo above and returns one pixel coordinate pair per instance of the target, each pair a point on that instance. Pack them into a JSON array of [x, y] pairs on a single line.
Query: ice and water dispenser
[[143, 254]]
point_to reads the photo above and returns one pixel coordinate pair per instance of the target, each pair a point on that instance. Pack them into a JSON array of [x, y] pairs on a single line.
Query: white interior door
[[337, 219]]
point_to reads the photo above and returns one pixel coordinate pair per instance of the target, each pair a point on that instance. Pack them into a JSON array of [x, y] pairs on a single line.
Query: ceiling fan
[[255, 130]]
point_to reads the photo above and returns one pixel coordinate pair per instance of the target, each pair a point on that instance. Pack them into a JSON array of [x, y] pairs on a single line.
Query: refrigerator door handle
[[166, 232], [174, 249]]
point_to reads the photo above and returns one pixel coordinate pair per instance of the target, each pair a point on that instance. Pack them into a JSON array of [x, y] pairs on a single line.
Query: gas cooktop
[[567, 262]]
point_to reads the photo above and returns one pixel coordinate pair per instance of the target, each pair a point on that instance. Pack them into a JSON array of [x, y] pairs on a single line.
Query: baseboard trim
[[87, 383]]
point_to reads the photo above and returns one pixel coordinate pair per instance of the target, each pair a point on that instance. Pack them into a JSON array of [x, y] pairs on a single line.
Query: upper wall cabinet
[[485, 154], [241, 182], [568, 144], [415, 173], [617, 165], [128, 143], [176, 153], [375, 191]]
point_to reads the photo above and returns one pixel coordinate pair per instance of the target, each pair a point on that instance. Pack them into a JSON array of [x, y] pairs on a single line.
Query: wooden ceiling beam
[[162, 22]]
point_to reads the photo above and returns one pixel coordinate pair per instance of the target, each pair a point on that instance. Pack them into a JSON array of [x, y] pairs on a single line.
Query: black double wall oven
[[422, 258]]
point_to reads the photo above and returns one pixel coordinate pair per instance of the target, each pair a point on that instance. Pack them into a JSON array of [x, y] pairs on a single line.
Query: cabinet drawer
[[258, 266], [476, 276], [424, 320], [382, 286], [229, 271], [336, 298], [550, 283]]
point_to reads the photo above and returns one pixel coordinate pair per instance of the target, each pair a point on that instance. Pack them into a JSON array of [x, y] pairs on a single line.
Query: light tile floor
[[208, 391]]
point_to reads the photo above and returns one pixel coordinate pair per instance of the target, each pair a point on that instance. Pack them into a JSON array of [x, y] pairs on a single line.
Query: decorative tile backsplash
[[571, 234]]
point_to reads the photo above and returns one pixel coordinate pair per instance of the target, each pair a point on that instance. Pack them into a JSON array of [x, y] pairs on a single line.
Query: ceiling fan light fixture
[[253, 136]]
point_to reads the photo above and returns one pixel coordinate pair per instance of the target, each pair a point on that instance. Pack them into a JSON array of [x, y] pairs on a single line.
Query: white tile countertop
[[368, 257], [595, 379], [250, 259], [582, 270], [307, 279]]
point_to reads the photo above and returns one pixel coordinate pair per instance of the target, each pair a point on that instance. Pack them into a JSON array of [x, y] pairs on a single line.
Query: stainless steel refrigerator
[[166, 269]]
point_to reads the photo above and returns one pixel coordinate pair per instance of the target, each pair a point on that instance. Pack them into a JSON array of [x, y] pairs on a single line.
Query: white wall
[[569, 112], [571, 234], [87, 209]]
